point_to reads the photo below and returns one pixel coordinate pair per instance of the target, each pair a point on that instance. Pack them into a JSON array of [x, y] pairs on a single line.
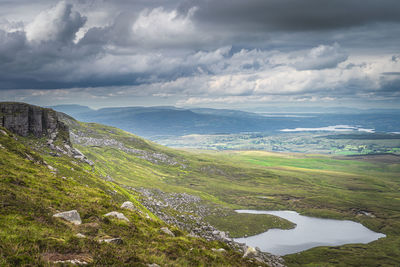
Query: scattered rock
[[116, 240], [117, 215], [75, 259], [167, 231], [79, 235], [71, 216], [250, 252], [366, 213], [156, 158], [73, 262], [128, 205], [51, 168], [218, 250], [108, 178], [190, 216], [193, 235]]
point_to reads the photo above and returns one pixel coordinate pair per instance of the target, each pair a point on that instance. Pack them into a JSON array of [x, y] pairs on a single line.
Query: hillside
[[39, 183], [193, 193], [322, 186], [153, 122]]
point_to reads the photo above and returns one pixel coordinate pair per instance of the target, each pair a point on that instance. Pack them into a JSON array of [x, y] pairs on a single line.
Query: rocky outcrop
[[153, 157], [24, 119], [189, 212]]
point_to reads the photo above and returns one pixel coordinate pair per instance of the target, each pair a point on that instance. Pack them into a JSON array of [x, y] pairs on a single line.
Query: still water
[[309, 232]]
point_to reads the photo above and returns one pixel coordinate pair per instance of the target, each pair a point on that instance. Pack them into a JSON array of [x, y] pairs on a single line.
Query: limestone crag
[[24, 119]]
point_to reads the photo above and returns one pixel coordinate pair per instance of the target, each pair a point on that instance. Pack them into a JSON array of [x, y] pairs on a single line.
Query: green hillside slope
[[362, 189], [35, 185]]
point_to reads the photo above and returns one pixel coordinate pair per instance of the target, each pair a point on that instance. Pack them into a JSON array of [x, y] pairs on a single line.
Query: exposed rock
[[73, 262], [153, 265], [116, 240], [189, 213], [117, 215], [51, 168], [153, 157], [74, 259], [128, 205], [24, 119], [250, 252], [79, 235], [218, 250], [3, 132], [167, 231], [71, 216]]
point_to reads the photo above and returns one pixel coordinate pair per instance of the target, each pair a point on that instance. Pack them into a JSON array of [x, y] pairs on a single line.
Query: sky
[[204, 53]]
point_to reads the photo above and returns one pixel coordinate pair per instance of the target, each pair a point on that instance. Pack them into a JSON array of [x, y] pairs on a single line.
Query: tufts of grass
[[30, 193], [321, 186]]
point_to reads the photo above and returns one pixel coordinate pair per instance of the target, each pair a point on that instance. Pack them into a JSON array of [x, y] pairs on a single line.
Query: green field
[[349, 143], [318, 185]]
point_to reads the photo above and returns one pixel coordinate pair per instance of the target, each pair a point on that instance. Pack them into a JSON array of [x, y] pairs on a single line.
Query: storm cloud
[[200, 52], [294, 15]]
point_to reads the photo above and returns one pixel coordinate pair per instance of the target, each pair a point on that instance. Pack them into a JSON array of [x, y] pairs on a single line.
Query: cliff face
[[24, 119]]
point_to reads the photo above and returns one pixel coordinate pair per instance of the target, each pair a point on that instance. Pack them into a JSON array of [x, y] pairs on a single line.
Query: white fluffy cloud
[[160, 26], [59, 23], [168, 49], [321, 57]]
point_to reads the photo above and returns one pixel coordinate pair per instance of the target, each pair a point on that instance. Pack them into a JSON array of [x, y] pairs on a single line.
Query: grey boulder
[[71, 216], [117, 215], [128, 205], [167, 231]]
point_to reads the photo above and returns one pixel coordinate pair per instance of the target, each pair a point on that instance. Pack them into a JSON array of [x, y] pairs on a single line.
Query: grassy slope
[[30, 194], [129, 169], [312, 184]]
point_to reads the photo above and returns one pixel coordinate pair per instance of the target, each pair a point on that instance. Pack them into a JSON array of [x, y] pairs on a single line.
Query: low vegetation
[[322, 186], [300, 142], [34, 186], [240, 224]]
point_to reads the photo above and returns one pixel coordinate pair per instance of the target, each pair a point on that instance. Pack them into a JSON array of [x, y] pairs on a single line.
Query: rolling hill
[[189, 189]]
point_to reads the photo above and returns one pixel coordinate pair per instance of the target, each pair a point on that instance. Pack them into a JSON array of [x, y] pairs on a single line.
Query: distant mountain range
[[165, 120]]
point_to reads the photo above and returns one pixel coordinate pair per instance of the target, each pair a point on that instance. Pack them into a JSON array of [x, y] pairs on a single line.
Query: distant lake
[[309, 232]]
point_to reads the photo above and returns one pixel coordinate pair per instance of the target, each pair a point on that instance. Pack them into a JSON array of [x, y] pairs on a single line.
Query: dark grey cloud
[[294, 15], [201, 51], [391, 73]]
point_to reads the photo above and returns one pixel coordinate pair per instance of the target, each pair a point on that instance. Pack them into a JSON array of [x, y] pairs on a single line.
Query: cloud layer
[[201, 52]]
